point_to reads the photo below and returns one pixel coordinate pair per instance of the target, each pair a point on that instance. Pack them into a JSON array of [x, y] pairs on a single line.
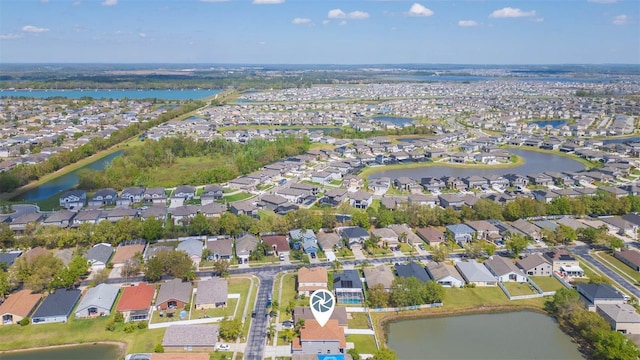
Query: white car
[[223, 347]]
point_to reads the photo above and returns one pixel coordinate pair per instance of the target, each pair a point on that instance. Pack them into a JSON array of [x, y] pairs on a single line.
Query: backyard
[[547, 283], [518, 289]]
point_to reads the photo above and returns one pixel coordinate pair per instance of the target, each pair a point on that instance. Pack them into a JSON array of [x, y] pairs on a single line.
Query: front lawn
[[517, 289], [547, 283], [407, 249], [365, 344]]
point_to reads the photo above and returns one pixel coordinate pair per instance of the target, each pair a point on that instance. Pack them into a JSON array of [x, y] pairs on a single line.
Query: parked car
[[223, 347], [288, 324]]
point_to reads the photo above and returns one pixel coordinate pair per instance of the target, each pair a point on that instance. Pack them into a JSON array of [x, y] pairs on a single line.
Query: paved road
[[584, 253], [258, 332]]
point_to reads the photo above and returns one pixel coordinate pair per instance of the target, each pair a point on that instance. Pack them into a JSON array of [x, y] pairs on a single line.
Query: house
[[334, 197], [451, 200], [560, 258], [315, 339], [154, 212], [244, 208], [535, 265], [118, 214], [445, 274], [130, 195], [595, 295], [484, 230], [61, 218], [86, 217], [621, 317], [277, 243], [20, 222], [173, 294], [347, 287], [220, 249], [431, 236], [56, 307], [183, 214], [304, 312], [73, 199], [244, 246], [213, 209], [272, 202], [103, 197], [386, 237], [18, 306], [504, 269], [379, 275], [155, 195], [98, 301], [405, 234], [210, 194], [528, 229], [191, 337], [353, 235], [327, 241], [621, 226], [631, 257], [193, 248], [412, 269], [311, 279], [186, 192], [8, 258], [99, 255], [212, 293], [135, 302], [476, 273], [360, 199], [127, 250], [462, 234]]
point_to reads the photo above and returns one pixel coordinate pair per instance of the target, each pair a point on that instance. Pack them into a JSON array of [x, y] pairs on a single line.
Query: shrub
[[118, 317], [111, 326], [25, 321], [142, 325], [159, 348], [129, 328]]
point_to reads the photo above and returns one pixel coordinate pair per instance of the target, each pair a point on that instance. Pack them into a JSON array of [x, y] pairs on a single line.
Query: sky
[[320, 31]]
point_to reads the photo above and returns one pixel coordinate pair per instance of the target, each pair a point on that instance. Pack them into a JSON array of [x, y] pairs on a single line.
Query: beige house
[[621, 317], [310, 280]]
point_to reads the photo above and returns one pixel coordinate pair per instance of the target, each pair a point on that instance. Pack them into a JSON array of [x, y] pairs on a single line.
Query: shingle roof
[[212, 291], [191, 335], [60, 303], [315, 275], [532, 261], [101, 296], [304, 312], [192, 247], [100, 253], [380, 274], [501, 266], [174, 289], [221, 247], [440, 271], [412, 269], [20, 303]]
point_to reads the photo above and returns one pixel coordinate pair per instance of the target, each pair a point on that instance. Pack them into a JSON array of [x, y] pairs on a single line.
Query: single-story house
[[99, 255], [212, 293], [135, 302], [379, 275], [173, 295], [328, 240], [18, 306], [462, 233], [128, 250], [621, 317], [277, 243], [304, 312], [386, 237], [631, 257], [193, 248], [595, 295], [431, 235], [56, 307], [412, 269], [445, 274], [244, 246], [476, 273], [535, 265], [560, 258], [98, 301], [311, 279], [191, 337], [504, 269], [220, 249]]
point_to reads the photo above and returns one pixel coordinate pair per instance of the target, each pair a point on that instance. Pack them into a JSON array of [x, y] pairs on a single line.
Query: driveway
[[357, 252]]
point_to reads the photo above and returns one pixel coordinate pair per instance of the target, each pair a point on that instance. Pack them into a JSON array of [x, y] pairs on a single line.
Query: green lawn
[[242, 285], [627, 272], [237, 197], [167, 317], [547, 283], [77, 331], [344, 253], [517, 289], [407, 249], [358, 320], [221, 355], [226, 311], [465, 298], [365, 344]]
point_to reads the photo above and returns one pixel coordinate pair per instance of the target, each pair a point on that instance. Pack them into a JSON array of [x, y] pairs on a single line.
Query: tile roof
[[331, 331], [137, 297], [316, 275]]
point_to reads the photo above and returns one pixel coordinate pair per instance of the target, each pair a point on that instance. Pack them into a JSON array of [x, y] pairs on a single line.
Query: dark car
[[253, 314], [313, 255]]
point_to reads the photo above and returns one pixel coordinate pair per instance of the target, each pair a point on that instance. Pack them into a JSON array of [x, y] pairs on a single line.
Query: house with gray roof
[[20, 222], [103, 197], [379, 275], [246, 244], [61, 218], [173, 294], [155, 195], [191, 337], [213, 209], [347, 287], [353, 235], [210, 194], [403, 230], [186, 192], [220, 249], [476, 273], [304, 313], [154, 212], [595, 295], [535, 265], [73, 199], [504, 269], [130, 195], [56, 307], [99, 255], [621, 317], [444, 274], [631, 257], [328, 240], [212, 293], [193, 248], [462, 233], [385, 236], [412, 269], [86, 217], [98, 301]]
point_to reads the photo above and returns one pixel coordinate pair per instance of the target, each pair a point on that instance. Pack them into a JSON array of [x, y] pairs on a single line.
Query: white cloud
[[142, 35], [342, 23], [355, 15], [34, 29], [620, 20], [262, 43], [76, 3], [467, 23], [419, 10], [109, 3], [509, 12], [10, 36], [267, 2], [540, 19], [299, 21], [603, 1], [325, 22]]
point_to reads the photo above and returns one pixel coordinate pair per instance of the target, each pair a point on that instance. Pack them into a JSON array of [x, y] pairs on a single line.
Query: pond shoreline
[[122, 346]]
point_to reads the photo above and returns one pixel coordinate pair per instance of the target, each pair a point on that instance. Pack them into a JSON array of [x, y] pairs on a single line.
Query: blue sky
[[320, 31]]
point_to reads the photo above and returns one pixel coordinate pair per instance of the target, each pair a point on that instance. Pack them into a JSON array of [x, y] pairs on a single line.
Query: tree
[[230, 329], [489, 248], [564, 303], [613, 345], [377, 296], [360, 218], [440, 253], [199, 225], [473, 249], [385, 354], [221, 267], [152, 229], [5, 287], [615, 243], [101, 277], [434, 292], [516, 244], [588, 323], [39, 273]]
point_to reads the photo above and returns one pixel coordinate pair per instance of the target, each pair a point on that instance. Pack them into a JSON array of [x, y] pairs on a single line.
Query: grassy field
[[469, 298], [622, 268], [77, 332], [547, 283], [517, 289], [237, 197], [358, 320], [226, 311], [365, 344], [289, 292], [244, 294]]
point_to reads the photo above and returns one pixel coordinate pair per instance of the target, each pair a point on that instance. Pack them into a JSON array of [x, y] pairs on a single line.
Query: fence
[[562, 280], [405, 308]]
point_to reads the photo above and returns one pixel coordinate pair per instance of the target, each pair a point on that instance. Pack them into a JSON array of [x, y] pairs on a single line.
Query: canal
[[512, 336]]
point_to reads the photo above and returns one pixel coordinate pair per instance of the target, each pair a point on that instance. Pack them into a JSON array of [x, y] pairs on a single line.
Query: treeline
[[597, 337], [135, 167], [352, 133], [23, 174], [405, 292]]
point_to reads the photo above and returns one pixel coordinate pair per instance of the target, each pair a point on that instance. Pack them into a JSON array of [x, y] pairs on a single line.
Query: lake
[[187, 94], [76, 352], [396, 120], [513, 335], [64, 182], [553, 123], [535, 162]]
